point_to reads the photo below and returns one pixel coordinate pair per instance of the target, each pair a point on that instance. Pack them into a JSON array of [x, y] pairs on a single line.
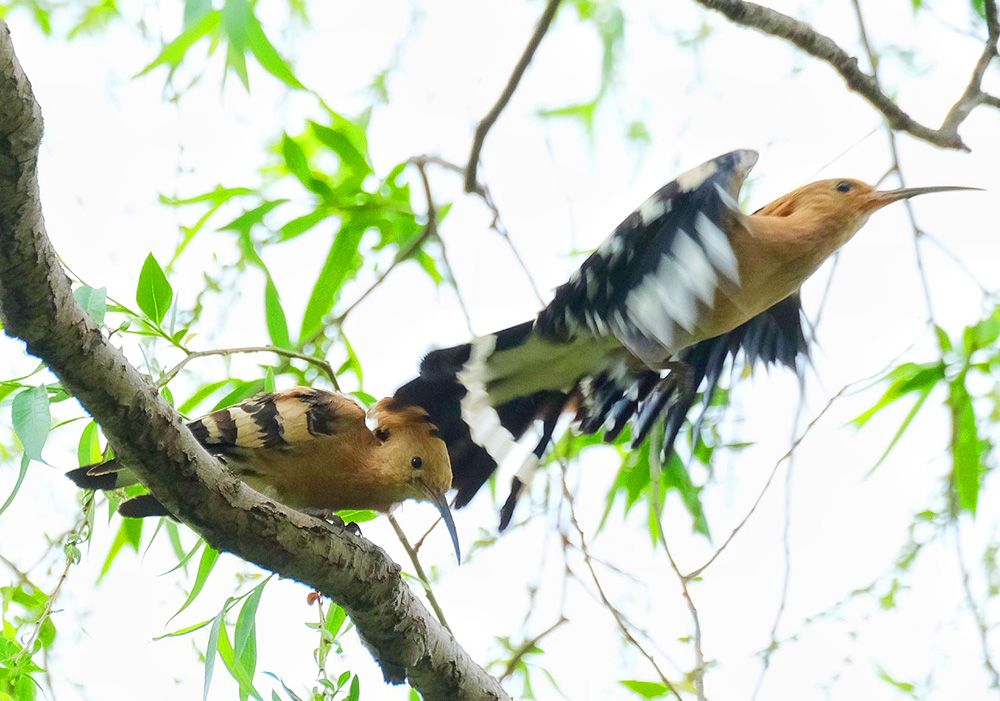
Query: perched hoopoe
[[313, 451], [684, 282]]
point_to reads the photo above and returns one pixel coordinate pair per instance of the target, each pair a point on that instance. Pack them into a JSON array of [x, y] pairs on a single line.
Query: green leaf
[[647, 690], [201, 395], [236, 669], [268, 56], [236, 16], [269, 380], [357, 515], [298, 165], [355, 692], [245, 634], [252, 217], [154, 293], [211, 650], [302, 224], [88, 451], [93, 301], [17, 483], [979, 6], [335, 618], [340, 143], [907, 420], [907, 378], [129, 533], [967, 448], [906, 687], [31, 420], [244, 389], [173, 53], [208, 559], [341, 263], [277, 324]]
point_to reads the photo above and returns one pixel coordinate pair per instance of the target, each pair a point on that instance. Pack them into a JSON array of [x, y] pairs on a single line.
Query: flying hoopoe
[[313, 451], [685, 282]]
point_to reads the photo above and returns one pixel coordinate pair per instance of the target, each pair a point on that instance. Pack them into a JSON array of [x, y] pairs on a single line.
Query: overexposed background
[[113, 145]]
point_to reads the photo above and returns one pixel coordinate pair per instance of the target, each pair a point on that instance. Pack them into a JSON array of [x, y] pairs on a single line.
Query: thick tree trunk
[[37, 306]]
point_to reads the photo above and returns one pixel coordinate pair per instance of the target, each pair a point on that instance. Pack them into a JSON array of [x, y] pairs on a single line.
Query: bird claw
[[351, 527]]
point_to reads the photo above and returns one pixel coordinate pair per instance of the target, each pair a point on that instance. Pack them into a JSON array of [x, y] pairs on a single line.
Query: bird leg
[[332, 518], [678, 387], [682, 374]]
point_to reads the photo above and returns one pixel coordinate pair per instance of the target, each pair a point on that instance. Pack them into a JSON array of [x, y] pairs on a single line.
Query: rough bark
[[36, 305]]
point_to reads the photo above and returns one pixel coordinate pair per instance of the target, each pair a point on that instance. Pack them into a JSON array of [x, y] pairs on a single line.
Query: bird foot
[[332, 518], [682, 377], [351, 527]]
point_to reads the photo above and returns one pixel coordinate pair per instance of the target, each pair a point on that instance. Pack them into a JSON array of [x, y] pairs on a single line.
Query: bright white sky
[[112, 145]]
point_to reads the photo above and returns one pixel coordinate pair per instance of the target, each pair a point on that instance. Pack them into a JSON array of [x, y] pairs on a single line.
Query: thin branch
[[403, 255], [770, 478], [483, 192], [312, 360], [982, 627], [785, 537], [655, 473], [418, 568], [894, 152], [432, 217], [37, 306], [820, 46], [622, 625], [526, 647], [26, 650], [484, 126]]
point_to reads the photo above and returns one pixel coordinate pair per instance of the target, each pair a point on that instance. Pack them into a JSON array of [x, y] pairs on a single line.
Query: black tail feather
[[104, 475], [142, 506]]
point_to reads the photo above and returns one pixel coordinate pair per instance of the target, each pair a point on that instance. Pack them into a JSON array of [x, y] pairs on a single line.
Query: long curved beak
[[880, 198], [441, 502]]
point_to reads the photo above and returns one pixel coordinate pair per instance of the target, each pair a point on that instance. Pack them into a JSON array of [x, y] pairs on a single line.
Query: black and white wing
[[658, 273]]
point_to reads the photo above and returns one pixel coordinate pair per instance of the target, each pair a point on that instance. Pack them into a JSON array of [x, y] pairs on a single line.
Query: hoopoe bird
[[312, 450], [685, 282]]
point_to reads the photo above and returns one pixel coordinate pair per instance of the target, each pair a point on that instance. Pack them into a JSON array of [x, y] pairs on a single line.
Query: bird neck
[[803, 237]]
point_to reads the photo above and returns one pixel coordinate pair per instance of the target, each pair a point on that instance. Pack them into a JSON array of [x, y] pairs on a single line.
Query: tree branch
[[825, 49], [491, 117], [37, 306]]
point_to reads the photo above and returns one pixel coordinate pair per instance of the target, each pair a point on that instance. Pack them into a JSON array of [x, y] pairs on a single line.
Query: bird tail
[[111, 474], [456, 387]]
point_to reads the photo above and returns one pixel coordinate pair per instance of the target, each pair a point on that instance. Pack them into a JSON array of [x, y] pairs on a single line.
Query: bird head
[[414, 456], [842, 205]]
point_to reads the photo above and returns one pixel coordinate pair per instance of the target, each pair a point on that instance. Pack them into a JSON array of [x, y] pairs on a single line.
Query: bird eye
[[844, 186], [416, 462]]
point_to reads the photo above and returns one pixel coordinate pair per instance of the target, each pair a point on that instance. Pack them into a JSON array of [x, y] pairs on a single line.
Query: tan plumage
[[313, 450]]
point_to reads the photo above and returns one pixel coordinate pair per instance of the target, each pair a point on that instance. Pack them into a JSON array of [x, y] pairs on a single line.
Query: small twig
[[526, 647], [318, 362], [619, 620], [421, 166], [655, 473], [420, 541], [981, 625], [420, 571], [770, 478], [894, 152], [822, 47], [401, 257], [785, 541], [484, 126], [49, 604], [483, 192], [22, 576]]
